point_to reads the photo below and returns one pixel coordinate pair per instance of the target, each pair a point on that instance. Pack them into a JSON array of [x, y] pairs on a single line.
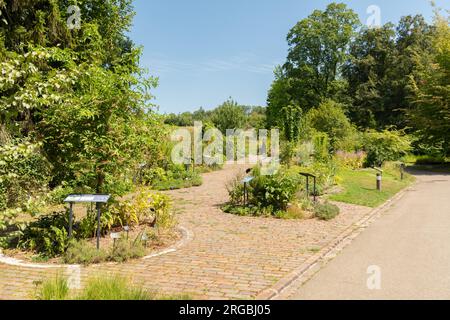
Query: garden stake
[[70, 220], [98, 225]]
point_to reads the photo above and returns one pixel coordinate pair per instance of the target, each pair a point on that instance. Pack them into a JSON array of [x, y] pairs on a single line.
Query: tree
[[330, 118], [318, 49], [430, 88], [230, 115], [278, 98], [368, 73], [81, 93]]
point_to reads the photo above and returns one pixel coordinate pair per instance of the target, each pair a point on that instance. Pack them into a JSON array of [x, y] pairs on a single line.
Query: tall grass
[[115, 288], [100, 288], [54, 289]]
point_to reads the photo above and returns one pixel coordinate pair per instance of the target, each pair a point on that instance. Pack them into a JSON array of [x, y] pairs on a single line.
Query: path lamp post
[[98, 199], [402, 170], [379, 178]]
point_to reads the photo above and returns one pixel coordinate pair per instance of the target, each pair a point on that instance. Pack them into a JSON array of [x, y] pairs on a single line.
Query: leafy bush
[[82, 252], [331, 119], [326, 211], [23, 172], [175, 177], [236, 190], [274, 191], [144, 208], [125, 250], [385, 146], [48, 235], [352, 160]]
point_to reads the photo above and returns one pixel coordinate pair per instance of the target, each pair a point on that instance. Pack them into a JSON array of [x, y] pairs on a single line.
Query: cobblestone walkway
[[229, 257]]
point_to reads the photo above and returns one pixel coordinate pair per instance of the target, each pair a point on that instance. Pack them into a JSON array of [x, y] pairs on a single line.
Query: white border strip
[[187, 237]]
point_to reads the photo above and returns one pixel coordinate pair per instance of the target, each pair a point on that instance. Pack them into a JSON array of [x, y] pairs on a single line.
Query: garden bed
[[165, 239]]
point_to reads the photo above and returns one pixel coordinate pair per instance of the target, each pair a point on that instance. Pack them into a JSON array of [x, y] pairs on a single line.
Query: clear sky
[[204, 51]]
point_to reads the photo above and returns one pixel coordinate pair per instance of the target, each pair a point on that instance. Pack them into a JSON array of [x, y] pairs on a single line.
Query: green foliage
[[430, 90], [115, 288], [102, 288], [330, 118], [47, 235], [84, 253], [326, 211], [175, 177], [80, 93], [229, 116], [385, 146], [317, 49], [291, 122], [125, 250], [352, 160], [23, 172], [145, 207], [274, 191], [359, 186], [53, 290]]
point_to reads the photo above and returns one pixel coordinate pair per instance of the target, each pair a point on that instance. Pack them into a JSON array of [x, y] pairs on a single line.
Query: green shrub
[[48, 235], [385, 146], [145, 207], [326, 211], [274, 191], [24, 171], [83, 252], [125, 250], [174, 177], [236, 190], [351, 160], [330, 118]]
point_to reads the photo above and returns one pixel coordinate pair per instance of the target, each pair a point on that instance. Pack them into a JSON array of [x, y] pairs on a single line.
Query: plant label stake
[[144, 239], [115, 236], [70, 220], [127, 230]]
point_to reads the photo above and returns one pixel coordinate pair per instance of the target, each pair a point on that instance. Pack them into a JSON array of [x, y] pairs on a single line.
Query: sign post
[[307, 176], [246, 181], [98, 199]]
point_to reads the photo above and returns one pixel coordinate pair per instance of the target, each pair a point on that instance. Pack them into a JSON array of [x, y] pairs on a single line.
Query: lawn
[[359, 187]]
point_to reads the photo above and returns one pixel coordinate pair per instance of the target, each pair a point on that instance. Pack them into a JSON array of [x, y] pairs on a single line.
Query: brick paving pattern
[[229, 257]]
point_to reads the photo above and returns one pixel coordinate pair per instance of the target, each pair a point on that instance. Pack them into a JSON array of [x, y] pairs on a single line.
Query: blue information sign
[[88, 198]]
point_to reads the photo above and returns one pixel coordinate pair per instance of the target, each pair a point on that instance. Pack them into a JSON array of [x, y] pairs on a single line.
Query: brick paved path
[[229, 257]]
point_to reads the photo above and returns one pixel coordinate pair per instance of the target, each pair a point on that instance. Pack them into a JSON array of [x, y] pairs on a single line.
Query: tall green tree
[[430, 91], [368, 73], [318, 49], [229, 115], [80, 93]]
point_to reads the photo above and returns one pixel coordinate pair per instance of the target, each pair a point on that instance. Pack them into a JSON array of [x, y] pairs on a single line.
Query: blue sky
[[204, 51]]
